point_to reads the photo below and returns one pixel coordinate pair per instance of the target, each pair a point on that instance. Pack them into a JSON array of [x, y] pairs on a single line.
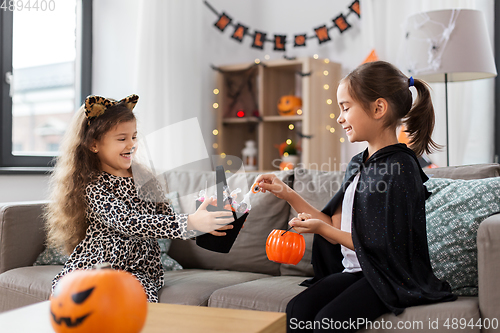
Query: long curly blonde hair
[[75, 168]]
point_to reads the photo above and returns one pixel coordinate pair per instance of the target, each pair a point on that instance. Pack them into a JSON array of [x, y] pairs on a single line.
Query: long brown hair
[[381, 79], [75, 168]]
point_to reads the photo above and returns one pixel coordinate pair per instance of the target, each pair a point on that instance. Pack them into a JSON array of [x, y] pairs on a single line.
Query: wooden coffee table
[[161, 318]]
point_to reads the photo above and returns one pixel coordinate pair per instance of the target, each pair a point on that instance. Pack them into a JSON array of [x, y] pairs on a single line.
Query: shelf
[[259, 88], [243, 120], [234, 120], [283, 118]]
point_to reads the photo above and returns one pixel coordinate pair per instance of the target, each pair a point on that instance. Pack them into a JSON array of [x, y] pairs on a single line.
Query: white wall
[[23, 188]]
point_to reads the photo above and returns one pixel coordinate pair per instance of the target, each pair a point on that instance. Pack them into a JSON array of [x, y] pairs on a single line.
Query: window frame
[[10, 163]]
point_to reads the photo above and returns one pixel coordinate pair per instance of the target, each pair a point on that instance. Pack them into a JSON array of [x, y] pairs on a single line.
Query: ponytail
[[380, 79], [419, 121]]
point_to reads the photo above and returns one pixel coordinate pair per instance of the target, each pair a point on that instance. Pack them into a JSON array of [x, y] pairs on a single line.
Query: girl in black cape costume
[[370, 253]]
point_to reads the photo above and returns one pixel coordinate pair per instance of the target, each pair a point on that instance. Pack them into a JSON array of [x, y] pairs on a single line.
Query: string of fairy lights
[[291, 126]]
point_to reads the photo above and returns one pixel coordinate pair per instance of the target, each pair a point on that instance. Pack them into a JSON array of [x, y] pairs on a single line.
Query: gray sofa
[[245, 278]]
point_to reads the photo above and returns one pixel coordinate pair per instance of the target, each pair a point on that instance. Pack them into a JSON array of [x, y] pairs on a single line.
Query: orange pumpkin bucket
[[285, 247], [98, 300]]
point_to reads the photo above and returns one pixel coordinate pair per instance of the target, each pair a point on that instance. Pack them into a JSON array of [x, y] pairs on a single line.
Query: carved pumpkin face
[[285, 247], [98, 300], [288, 105]]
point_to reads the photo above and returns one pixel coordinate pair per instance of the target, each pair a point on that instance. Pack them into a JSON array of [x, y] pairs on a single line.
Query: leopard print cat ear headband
[[95, 106]]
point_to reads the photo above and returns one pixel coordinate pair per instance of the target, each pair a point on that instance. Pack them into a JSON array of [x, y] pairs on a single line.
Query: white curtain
[[169, 61], [471, 104]]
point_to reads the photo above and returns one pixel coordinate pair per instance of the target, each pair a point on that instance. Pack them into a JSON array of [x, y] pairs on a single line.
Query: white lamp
[[448, 45]]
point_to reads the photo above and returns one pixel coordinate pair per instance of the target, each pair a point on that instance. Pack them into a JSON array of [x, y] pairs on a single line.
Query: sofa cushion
[[475, 171], [248, 253], [274, 293], [167, 262], [270, 294], [21, 223], [26, 285], [194, 286], [317, 188], [454, 211], [431, 318]]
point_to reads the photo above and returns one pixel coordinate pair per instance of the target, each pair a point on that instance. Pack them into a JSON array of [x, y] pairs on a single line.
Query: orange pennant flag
[[371, 57]]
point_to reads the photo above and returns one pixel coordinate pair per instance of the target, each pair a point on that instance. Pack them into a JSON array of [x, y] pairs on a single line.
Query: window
[[45, 55]]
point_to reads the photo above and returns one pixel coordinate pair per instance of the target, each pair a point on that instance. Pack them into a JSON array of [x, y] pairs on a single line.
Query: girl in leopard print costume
[[96, 212]]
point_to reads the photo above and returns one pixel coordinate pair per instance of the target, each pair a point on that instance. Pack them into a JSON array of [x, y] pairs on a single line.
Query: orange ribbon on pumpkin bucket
[[285, 247]]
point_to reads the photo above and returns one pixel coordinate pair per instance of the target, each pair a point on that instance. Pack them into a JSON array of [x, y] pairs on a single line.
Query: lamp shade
[[453, 41]]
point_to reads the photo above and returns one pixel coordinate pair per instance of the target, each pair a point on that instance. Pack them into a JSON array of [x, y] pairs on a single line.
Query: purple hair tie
[[411, 81]]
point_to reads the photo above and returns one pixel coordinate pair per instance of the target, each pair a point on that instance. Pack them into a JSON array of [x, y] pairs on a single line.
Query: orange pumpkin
[[98, 300], [288, 105], [289, 162], [286, 166], [285, 247]]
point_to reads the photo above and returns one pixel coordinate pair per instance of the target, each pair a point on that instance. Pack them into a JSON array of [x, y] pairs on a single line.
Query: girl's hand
[[269, 182], [210, 222], [305, 224], [304, 216]]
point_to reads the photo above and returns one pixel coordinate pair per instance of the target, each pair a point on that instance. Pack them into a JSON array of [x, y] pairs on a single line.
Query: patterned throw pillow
[[51, 256], [168, 263], [454, 211]]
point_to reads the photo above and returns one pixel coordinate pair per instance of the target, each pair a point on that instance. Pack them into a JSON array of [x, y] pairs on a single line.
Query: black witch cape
[[388, 230]]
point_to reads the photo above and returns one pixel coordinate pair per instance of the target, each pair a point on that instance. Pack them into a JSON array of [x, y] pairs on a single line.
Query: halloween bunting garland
[[322, 33]]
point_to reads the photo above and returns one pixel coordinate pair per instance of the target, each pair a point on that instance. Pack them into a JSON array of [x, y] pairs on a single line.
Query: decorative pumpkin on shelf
[[285, 247], [288, 105], [289, 155], [285, 165], [98, 300]]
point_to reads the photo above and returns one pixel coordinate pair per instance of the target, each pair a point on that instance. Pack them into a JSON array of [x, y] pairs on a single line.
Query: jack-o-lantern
[[285, 247], [288, 105], [98, 300]]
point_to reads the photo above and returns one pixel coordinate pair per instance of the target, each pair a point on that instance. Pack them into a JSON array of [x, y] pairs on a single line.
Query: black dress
[[388, 230]]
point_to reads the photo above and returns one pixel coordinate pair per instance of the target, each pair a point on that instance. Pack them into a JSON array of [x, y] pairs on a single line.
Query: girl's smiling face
[[353, 118], [116, 149]]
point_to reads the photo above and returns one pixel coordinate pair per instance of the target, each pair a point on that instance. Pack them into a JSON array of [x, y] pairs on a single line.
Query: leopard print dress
[[124, 224]]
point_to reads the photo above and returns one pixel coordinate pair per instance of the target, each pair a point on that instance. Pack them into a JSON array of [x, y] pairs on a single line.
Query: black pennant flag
[[258, 40], [355, 8], [300, 40], [239, 32], [341, 23], [279, 42], [322, 34], [223, 22]]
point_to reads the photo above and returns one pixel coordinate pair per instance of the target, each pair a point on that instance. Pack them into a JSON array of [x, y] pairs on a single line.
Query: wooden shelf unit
[[259, 88]]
